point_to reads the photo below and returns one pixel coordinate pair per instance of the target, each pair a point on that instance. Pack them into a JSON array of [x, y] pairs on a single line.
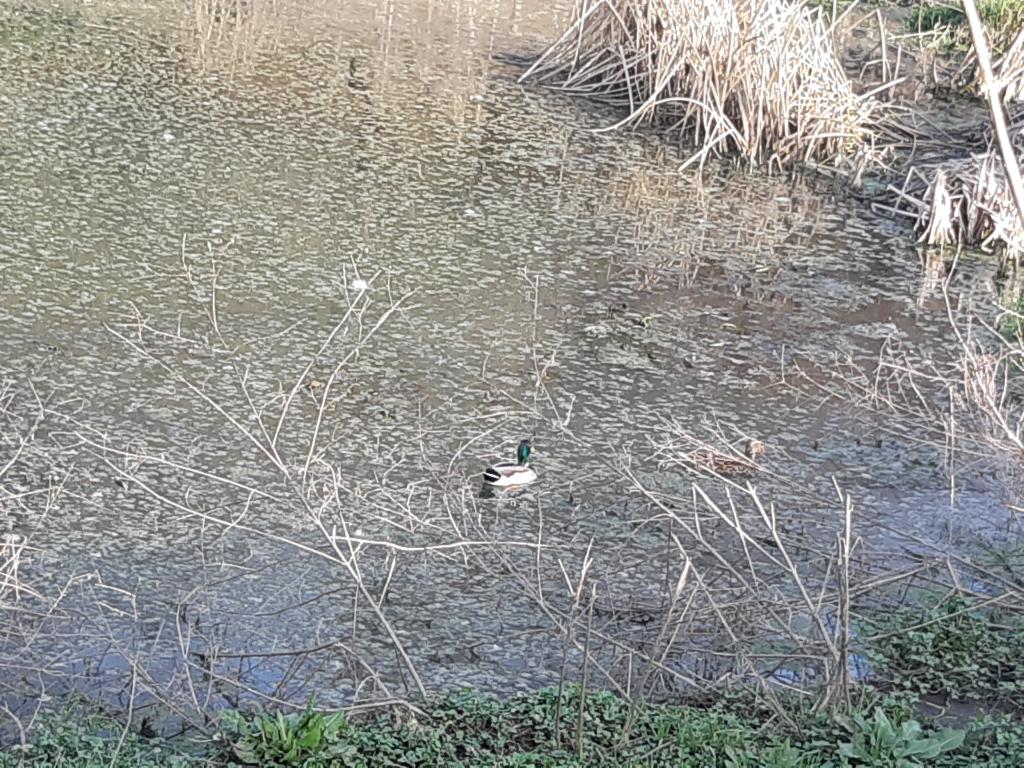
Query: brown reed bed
[[761, 79], [966, 200], [755, 77]]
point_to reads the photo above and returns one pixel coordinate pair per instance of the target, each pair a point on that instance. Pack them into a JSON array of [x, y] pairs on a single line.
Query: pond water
[[214, 197]]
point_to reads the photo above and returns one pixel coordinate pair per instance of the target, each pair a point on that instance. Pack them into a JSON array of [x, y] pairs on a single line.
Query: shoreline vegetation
[[945, 689], [763, 82], [468, 729], [773, 644]]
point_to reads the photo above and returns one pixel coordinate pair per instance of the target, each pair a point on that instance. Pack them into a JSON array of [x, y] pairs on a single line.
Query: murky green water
[[549, 281]]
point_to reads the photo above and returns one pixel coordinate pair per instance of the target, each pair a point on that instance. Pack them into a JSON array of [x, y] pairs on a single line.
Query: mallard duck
[[510, 473], [725, 464]]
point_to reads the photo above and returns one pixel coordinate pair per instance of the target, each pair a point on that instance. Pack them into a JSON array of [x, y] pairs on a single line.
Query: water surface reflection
[[542, 280]]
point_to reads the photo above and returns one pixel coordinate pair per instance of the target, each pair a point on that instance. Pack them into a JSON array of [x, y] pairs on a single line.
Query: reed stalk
[[992, 88], [971, 199]]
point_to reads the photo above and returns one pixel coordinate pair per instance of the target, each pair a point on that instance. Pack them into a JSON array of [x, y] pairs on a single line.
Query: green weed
[[950, 649], [1003, 19], [76, 738], [992, 741], [285, 740], [878, 741], [467, 729], [539, 729], [1012, 321]]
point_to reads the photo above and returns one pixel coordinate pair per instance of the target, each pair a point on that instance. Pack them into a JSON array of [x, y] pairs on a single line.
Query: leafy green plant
[[877, 741], [992, 741], [948, 649], [1002, 18], [467, 730], [783, 755], [1011, 323], [285, 740], [536, 729], [74, 738]]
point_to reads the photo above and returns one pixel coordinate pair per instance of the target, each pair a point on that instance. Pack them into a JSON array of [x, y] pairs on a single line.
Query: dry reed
[[758, 77], [966, 200], [1010, 70], [967, 407], [229, 33]]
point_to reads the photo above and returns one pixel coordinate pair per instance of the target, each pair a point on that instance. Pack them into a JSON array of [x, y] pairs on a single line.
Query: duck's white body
[[508, 474]]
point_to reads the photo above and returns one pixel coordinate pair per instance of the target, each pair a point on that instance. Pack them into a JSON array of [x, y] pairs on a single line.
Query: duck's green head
[[523, 452]]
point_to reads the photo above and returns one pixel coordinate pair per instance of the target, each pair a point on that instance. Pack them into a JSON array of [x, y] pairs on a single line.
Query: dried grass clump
[[1010, 71], [759, 77], [966, 201]]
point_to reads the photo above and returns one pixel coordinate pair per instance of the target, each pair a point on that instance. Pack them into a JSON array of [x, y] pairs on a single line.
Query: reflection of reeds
[[760, 78], [230, 31], [966, 407]]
